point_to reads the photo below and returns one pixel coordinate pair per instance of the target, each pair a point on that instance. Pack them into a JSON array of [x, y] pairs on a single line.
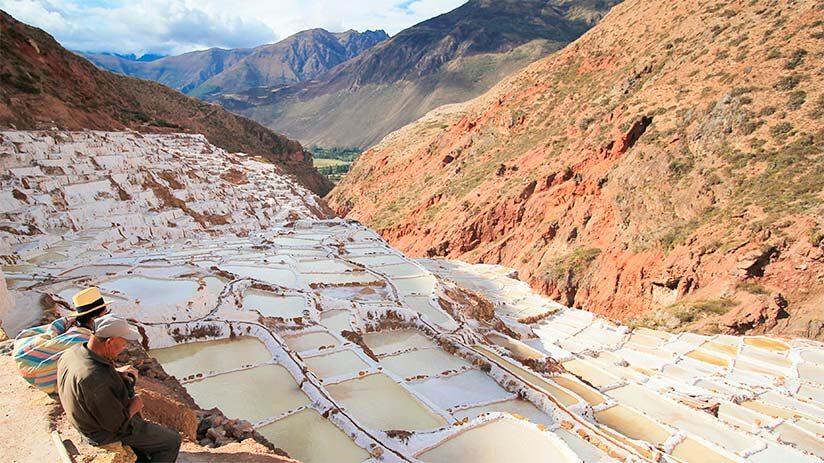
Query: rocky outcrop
[[655, 162]]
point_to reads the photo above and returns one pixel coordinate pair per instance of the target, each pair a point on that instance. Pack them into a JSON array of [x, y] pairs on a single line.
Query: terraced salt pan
[[380, 403], [468, 388], [632, 424], [324, 266], [692, 451], [255, 394], [515, 407], [356, 293], [361, 278], [335, 364], [499, 441], [336, 320], [423, 285], [430, 362], [280, 276], [273, 305], [387, 342], [424, 305], [184, 360], [311, 341], [94, 271], [377, 260], [214, 285], [151, 291], [309, 438]]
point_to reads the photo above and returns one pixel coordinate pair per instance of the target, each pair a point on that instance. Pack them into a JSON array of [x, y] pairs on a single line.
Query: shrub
[[816, 237], [774, 54], [766, 111], [576, 262], [787, 83], [796, 100], [795, 59], [781, 131]]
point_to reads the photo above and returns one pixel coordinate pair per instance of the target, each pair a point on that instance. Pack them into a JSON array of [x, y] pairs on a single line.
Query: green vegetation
[[752, 288], [334, 163], [816, 236], [576, 263], [795, 59], [688, 312]]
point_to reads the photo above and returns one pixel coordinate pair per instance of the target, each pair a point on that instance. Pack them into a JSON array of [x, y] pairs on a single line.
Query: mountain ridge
[[449, 58]]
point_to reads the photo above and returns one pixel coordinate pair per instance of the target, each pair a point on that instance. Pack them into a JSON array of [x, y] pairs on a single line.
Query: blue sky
[[178, 26]]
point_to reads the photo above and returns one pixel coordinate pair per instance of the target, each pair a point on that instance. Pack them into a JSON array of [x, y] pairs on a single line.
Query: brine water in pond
[[150, 291], [336, 320], [380, 403], [309, 438], [515, 407], [338, 363], [254, 394], [469, 388], [429, 362], [311, 341], [273, 305], [387, 342], [203, 357], [499, 441], [280, 276]]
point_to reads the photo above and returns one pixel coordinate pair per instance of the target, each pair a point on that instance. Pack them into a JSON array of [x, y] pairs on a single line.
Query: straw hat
[[87, 300]]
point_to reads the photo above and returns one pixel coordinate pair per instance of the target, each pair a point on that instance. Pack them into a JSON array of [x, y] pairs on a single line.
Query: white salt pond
[[309, 438], [381, 259], [185, 360], [499, 441], [334, 364], [280, 276], [214, 285], [336, 320], [380, 403], [388, 342], [429, 362], [253, 394], [311, 341], [330, 279], [323, 266], [515, 407], [273, 305], [151, 291], [424, 305], [632, 424], [423, 285], [94, 271], [469, 388]]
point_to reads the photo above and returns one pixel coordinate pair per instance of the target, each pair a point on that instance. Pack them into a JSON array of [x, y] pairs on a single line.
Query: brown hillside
[[665, 169], [42, 85]]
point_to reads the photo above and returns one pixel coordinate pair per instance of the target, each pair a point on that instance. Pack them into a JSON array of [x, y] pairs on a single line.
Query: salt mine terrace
[[336, 347]]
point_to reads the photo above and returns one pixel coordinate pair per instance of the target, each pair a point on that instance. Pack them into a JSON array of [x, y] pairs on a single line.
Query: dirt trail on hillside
[[24, 419]]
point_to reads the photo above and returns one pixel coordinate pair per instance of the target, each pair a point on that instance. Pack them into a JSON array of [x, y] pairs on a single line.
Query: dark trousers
[[152, 442]]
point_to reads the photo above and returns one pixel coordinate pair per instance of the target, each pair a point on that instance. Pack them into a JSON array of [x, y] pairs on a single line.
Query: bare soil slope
[[667, 169]]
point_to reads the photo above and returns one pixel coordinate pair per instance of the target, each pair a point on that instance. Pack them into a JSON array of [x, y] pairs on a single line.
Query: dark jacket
[[94, 395]]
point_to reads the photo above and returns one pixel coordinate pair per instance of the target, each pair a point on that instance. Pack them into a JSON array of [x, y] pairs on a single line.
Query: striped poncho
[[37, 349]]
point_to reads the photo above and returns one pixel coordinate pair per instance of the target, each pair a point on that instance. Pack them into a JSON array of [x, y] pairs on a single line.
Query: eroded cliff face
[[665, 169], [6, 302]]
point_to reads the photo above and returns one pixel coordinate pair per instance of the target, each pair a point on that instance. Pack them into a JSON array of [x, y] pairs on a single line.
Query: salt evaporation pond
[[310, 438], [469, 388], [336, 320], [423, 285], [151, 291], [515, 407], [280, 276], [184, 360], [311, 341], [380, 403], [430, 362], [632, 424], [388, 342], [323, 266], [499, 441], [273, 305], [334, 364], [361, 278], [252, 394]]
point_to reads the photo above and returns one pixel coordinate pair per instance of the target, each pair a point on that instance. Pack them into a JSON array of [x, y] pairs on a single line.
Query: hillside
[[664, 170], [450, 58], [42, 85]]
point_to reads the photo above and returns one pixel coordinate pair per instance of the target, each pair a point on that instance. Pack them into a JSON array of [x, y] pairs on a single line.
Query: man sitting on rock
[[99, 399], [36, 350]]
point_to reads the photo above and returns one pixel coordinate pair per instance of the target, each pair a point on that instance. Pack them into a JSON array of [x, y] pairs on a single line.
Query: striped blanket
[[37, 349]]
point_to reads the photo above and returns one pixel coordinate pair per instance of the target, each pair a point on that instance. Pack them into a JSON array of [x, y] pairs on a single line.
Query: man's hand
[[127, 370], [135, 405]]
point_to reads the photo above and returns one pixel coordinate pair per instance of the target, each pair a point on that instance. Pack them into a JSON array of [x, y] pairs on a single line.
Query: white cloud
[[177, 26]]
